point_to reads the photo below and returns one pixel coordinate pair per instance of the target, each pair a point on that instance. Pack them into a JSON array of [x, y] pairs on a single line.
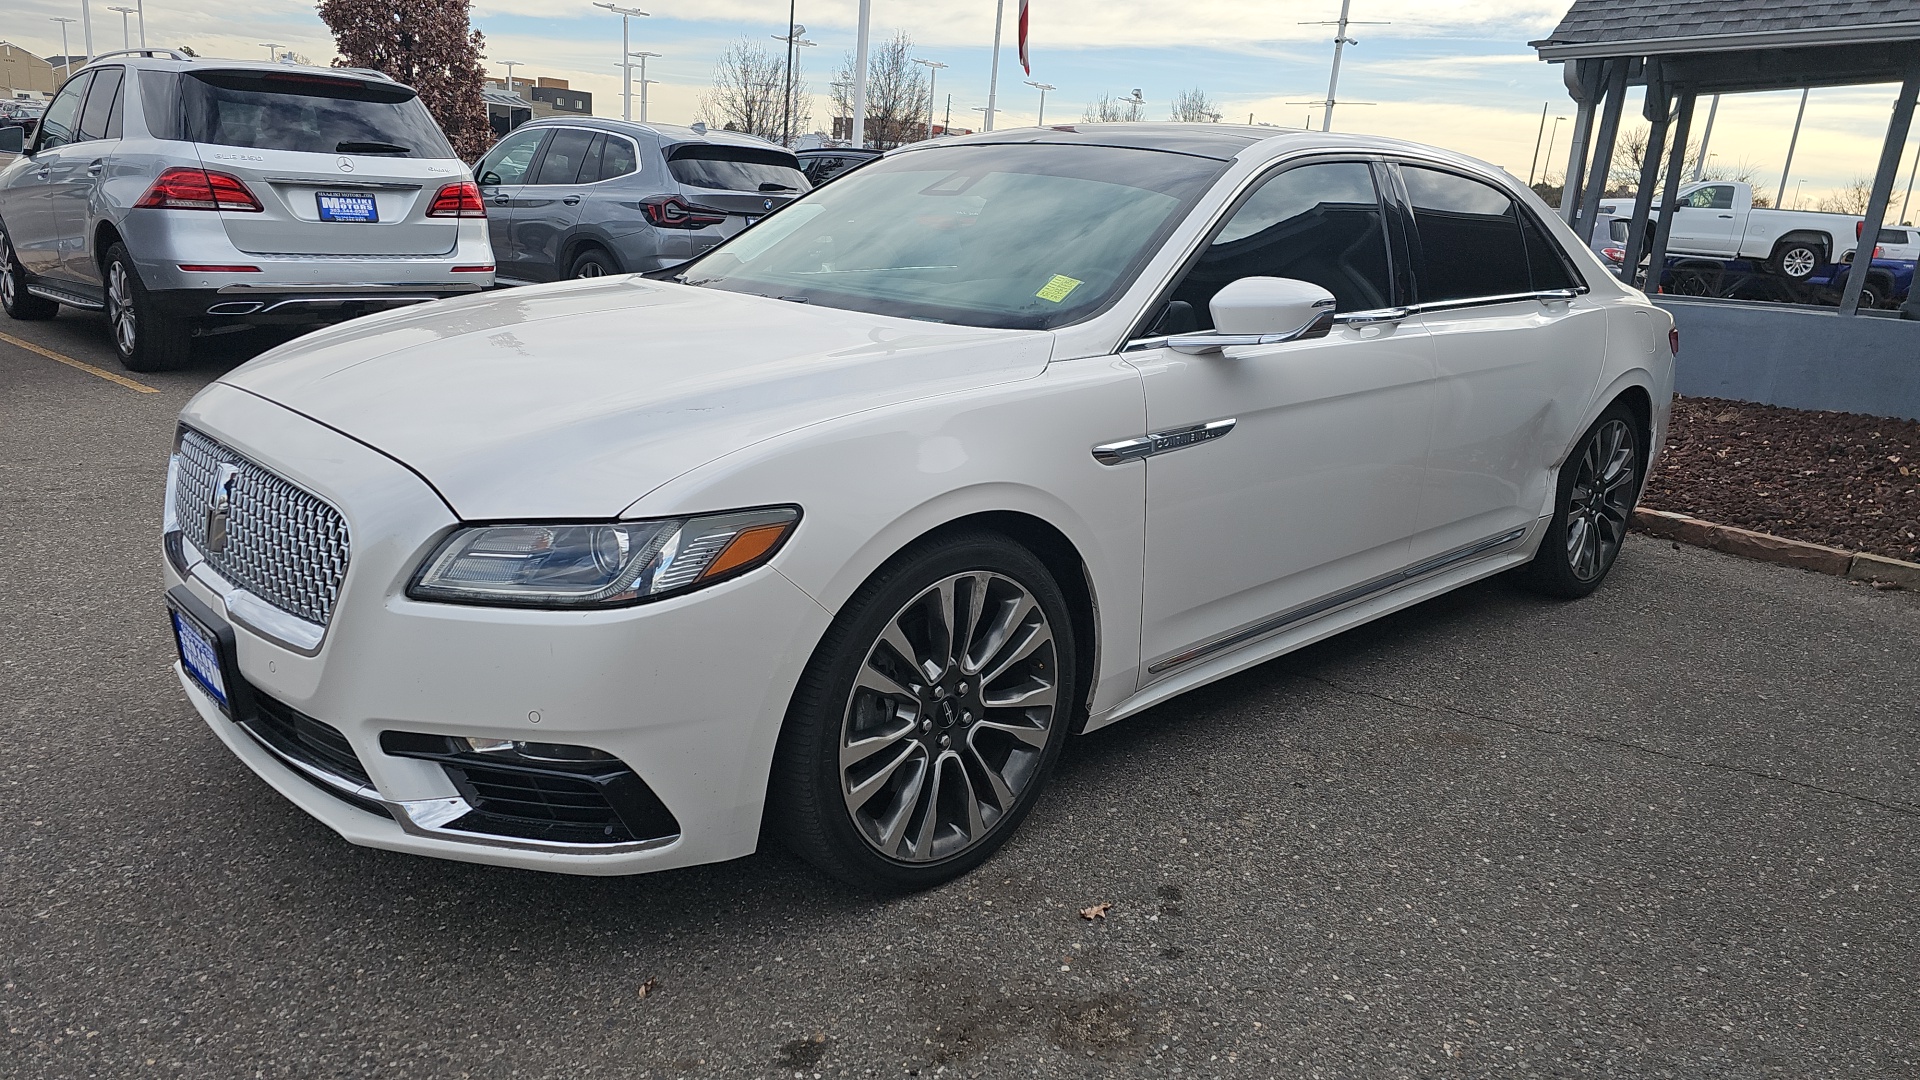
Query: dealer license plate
[[356, 208], [200, 655]]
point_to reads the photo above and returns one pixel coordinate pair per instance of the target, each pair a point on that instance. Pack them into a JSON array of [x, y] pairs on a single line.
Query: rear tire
[[898, 772], [1796, 260], [143, 338], [1599, 484], [592, 262], [14, 298]]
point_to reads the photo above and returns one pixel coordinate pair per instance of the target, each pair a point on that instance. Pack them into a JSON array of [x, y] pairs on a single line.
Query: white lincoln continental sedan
[[837, 532]]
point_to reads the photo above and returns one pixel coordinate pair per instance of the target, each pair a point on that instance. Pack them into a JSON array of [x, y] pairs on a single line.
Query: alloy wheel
[[9, 288], [1602, 500], [126, 332], [589, 269], [949, 717], [1797, 262]]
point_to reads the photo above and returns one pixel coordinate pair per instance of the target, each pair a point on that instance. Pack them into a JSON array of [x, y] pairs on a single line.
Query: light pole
[[1041, 120], [643, 54], [126, 36], [1798, 186], [860, 77], [1910, 174], [1340, 41], [1551, 135], [273, 51], [993, 81], [141, 7], [626, 14], [65, 57], [86, 26], [1791, 144], [1535, 164], [933, 78], [510, 65], [1700, 164], [1134, 104], [796, 37]]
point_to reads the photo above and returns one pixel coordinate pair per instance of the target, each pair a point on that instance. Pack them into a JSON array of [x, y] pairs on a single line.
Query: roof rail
[[170, 54]]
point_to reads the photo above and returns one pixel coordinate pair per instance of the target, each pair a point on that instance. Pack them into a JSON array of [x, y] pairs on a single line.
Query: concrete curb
[[1765, 547]]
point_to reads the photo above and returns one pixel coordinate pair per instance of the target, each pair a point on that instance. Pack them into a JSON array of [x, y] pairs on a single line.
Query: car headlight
[[599, 565]]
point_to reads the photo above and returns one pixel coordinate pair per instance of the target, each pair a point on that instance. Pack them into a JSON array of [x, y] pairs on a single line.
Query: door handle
[[1371, 318], [571, 200], [499, 200], [95, 168], [1729, 217], [45, 172]]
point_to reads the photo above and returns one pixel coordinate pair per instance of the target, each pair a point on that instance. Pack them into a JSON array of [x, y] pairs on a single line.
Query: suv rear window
[[265, 110], [735, 168]]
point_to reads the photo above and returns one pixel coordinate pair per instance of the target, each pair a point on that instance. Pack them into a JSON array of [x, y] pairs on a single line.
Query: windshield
[[735, 168], [297, 111], [1026, 236]]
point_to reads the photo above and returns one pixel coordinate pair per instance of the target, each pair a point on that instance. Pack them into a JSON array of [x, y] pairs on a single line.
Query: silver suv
[[188, 196], [573, 198]]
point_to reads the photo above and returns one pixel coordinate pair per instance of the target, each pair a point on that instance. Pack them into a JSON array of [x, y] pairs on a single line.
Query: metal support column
[[1602, 163], [1658, 109], [1890, 154], [1670, 190], [1584, 85]]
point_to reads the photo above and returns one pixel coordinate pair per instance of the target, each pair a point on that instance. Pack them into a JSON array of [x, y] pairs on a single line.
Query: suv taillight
[[673, 212], [198, 189], [461, 200], [1673, 340]]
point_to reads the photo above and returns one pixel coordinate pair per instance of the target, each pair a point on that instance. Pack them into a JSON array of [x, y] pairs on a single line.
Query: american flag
[[1026, 64]]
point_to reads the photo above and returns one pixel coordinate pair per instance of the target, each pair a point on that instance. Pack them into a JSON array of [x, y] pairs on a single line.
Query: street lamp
[[1041, 120], [126, 36], [642, 54], [1546, 163], [273, 50], [626, 66], [1136, 103], [933, 75], [65, 56], [796, 36], [510, 65]]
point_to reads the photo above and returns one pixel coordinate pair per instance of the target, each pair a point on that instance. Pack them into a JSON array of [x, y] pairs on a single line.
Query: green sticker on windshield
[[1056, 290]]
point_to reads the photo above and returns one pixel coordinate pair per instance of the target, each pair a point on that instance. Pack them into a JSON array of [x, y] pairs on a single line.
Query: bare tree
[[1110, 109], [1851, 199], [428, 44], [748, 85], [1193, 107], [898, 97]]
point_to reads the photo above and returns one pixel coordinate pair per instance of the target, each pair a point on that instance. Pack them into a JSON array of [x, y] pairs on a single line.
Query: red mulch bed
[[1842, 479]]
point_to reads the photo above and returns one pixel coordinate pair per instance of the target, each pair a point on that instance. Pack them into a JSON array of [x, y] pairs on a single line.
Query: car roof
[[213, 63], [667, 133], [1222, 141]]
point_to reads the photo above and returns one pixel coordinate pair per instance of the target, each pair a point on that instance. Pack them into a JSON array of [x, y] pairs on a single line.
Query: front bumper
[[688, 692]]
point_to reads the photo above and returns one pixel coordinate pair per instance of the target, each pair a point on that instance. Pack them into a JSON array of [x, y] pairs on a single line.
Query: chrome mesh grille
[[284, 545]]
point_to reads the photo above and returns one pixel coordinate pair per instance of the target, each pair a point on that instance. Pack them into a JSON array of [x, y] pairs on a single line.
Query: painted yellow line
[[83, 366]]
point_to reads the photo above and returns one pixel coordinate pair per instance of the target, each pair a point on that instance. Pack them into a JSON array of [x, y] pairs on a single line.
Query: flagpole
[[993, 82], [860, 78]]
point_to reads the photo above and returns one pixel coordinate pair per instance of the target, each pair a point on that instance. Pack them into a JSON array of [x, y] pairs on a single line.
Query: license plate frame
[[348, 208], [204, 644]]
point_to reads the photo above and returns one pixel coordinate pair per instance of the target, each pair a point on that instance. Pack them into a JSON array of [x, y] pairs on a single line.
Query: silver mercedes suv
[[189, 196]]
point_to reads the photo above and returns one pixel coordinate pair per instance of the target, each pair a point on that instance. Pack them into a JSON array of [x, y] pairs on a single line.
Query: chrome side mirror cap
[[1262, 311]]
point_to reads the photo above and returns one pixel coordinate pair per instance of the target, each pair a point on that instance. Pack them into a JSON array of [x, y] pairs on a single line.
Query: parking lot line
[[81, 364]]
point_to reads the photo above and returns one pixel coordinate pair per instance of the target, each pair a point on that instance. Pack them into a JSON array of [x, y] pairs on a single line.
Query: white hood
[[575, 399]]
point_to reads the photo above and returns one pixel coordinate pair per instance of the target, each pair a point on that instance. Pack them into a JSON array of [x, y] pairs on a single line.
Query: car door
[[546, 206], [501, 174], [1304, 467], [1518, 347], [1706, 222], [33, 220], [79, 199]]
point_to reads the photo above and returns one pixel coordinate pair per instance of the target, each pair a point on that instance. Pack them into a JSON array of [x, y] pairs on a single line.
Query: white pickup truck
[[1718, 218]]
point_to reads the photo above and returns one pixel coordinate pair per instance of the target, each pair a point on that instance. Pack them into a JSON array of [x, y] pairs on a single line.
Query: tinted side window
[[617, 159], [61, 124], [1317, 223], [508, 161], [565, 152], [160, 103], [1546, 263], [1469, 237], [102, 111], [1715, 197], [590, 165]]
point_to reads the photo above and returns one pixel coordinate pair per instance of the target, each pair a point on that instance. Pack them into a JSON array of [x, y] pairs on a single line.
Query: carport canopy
[[1679, 50]]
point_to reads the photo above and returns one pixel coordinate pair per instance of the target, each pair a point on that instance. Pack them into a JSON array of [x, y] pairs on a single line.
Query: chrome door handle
[[571, 200], [95, 168], [45, 172], [499, 200], [1372, 318]]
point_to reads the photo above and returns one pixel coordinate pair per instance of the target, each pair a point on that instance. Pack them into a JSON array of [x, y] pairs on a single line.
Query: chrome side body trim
[[1210, 340], [1161, 442], [1338, 600]]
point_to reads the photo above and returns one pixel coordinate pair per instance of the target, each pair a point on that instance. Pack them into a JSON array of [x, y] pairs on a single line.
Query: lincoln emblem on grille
[[221, 505]]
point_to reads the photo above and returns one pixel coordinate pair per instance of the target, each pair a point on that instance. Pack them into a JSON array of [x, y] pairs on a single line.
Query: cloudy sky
[[1456, 73]]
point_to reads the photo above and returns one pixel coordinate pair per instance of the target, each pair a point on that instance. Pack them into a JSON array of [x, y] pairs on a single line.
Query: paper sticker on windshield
[[1056, 290]]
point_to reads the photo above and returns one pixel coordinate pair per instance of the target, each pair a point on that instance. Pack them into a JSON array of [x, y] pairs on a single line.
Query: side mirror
[[13, 140], [1262, 311], [490, 178]]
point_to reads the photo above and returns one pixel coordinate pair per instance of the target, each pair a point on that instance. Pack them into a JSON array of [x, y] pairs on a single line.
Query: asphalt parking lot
[[1669, 831]]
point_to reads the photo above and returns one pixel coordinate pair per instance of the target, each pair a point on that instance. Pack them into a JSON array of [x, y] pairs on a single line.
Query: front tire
[[14, 298], [929, 718], [1796, 260], [144, 339], [591, 263], [1599, 484]]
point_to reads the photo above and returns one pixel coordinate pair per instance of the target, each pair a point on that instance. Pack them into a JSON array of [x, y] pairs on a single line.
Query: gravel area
[[1842, 479]]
